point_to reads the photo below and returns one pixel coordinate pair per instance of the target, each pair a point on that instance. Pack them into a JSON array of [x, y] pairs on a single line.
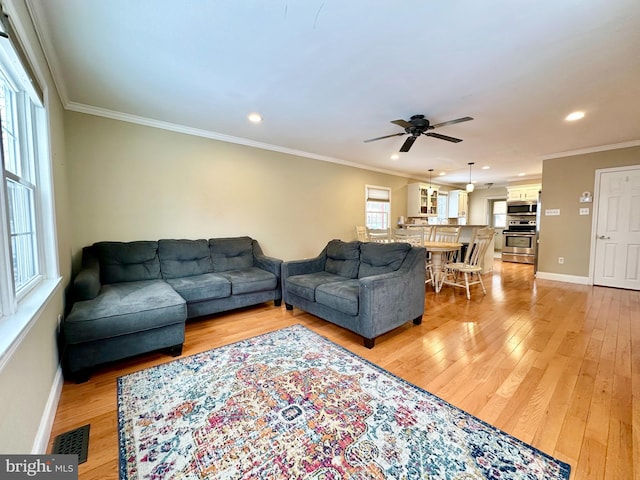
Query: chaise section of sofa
[[123, 307], [135, 297], [368, 288]]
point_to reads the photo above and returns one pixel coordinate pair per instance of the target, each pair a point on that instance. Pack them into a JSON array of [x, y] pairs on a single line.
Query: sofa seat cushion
[[195, 288], [341, 296], [124, 308], [305, 285], [379, 258], [249, 280]]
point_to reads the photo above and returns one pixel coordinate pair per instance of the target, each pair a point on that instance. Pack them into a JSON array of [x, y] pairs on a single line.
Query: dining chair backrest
[[447, 234], [381, 235], [478, 248], [361, 233], [428, 232], [413, 236]]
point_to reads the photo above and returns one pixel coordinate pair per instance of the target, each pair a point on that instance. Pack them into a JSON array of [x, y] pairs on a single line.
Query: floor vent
[[74, 442]]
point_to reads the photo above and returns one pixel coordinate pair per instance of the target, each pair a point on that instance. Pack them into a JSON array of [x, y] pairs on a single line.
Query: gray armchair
[[368, 288]]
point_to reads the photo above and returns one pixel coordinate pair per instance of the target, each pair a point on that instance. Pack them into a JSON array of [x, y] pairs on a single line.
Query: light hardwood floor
[[556, 365]]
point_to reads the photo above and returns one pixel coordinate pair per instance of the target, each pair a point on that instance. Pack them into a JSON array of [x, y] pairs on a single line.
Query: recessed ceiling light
[[254, 117], [486, 167], [521, 174], [573, 116], [442, 173], [395, 156]]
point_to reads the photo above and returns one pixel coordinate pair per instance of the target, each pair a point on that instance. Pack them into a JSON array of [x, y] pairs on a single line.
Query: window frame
[[379, 195], [31, 131]]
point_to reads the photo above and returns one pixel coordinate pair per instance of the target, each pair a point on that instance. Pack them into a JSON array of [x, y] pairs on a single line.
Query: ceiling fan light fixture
[[470, 185]]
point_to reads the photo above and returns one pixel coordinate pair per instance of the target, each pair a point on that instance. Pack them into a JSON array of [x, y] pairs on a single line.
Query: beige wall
[[569, 235], [479, 201], [132, 182], [29, 375]]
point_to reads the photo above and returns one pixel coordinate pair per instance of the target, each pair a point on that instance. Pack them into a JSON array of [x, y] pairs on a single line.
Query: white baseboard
[[563, 278], [41, 442]]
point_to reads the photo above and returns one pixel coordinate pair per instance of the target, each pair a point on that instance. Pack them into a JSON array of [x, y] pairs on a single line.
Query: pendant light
[[470, 185], [430, 189]]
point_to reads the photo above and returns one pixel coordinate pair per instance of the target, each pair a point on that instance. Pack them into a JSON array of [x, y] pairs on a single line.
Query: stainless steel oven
[[519, 243]]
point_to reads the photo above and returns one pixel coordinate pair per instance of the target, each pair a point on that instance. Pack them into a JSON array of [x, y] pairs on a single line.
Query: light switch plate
[[584, 211], [550, 212]]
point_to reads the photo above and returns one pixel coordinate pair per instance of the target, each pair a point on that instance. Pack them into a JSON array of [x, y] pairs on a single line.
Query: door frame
[[595, 210], [489, 218]]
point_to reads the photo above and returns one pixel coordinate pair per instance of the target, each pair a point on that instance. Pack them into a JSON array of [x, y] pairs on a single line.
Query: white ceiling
[[328, 74]]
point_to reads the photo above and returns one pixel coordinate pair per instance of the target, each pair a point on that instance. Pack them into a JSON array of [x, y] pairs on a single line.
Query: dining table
[[439, 252]]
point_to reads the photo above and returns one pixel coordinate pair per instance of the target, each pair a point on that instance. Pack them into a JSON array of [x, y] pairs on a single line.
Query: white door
[[617, 229]]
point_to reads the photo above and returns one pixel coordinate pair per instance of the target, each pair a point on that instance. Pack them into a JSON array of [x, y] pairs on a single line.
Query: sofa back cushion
[[184, 258], [127, 261], [231, 253], [343, 258], [377, 258]]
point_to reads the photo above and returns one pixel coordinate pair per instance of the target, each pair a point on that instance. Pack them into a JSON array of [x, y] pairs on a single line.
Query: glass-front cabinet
[[421, 202]]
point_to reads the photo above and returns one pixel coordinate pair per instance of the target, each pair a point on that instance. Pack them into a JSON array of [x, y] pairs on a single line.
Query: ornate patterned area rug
[[292, 405]]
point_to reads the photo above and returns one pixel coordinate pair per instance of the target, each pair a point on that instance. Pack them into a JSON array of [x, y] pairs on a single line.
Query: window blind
[[375, 194]]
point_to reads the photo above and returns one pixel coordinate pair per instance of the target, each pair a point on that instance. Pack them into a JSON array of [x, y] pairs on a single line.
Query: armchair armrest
[[301, 267], [270, 264], [86, 285], [390, 299]]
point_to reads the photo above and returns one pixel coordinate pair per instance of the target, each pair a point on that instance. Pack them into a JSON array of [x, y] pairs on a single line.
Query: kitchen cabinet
[[523, 193], [420, 203], [458, 204]]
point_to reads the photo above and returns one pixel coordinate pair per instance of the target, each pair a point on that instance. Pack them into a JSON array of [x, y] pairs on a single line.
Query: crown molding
[[149, 122], [600, 148]]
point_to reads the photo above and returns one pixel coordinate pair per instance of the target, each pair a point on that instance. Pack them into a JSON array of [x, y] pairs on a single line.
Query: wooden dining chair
[[461, 274], [361, 233], [379, 235], [448, 233], [413, 236]]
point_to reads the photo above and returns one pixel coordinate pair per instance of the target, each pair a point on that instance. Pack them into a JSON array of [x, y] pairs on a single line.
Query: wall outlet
[[561, 260], [584, 211]]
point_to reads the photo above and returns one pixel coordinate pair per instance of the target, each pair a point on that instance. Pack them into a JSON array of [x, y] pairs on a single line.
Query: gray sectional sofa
[[368, 288], [135, 297]]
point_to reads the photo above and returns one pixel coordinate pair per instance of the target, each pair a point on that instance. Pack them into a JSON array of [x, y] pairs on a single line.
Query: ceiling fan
[[418, 125]]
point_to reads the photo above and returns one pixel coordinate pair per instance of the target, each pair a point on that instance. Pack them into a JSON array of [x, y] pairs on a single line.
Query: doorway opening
[[497, 219]]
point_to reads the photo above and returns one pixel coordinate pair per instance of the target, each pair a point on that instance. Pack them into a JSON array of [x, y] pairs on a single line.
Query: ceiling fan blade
[[402, 123], [451, 122], [386, 136], [443, 137], [407, 143]]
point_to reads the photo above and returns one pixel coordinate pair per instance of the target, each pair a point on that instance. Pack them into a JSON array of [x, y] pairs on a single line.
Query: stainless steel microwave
[[522, 208]]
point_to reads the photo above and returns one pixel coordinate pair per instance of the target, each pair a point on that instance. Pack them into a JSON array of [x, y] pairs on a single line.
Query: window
[[500, 214], [443, 207], [22, 151], [377, 206], [19, 167]]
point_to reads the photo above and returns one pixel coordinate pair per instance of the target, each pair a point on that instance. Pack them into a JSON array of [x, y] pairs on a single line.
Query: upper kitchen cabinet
[[421, 203], [458, 204], [524, 193]]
